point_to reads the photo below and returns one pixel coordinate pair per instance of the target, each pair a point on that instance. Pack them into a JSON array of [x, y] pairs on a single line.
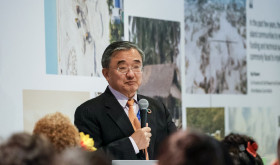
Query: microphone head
[[143, 103]]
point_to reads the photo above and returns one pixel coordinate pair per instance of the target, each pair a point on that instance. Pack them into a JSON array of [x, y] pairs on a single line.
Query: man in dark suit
[[107, 118]]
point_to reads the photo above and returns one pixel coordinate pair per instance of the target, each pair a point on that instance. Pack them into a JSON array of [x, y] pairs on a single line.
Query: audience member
[[26, 149], [78, 156], [59, 129], [243, 149], [192, 148]]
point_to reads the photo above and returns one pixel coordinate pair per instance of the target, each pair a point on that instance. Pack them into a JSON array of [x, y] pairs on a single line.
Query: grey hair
[[118, 46]]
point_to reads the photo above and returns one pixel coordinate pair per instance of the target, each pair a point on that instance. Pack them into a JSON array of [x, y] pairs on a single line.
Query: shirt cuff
[[134, 145]]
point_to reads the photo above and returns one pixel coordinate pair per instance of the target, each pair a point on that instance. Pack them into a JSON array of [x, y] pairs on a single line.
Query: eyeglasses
[[125, 69]]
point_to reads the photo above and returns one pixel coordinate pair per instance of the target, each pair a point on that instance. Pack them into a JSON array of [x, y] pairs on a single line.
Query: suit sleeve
[[171, 127], [90, 124]]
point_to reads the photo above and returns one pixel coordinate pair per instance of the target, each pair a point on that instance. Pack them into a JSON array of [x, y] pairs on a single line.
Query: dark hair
[[24, 148], [237, 145], [118, 46], [78, 156], [193, 148]]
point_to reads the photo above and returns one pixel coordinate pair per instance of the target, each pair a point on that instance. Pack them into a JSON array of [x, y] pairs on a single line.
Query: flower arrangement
[[86, 142]]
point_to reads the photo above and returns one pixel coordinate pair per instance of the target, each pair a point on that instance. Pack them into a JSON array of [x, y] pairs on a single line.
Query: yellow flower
[[87, 142]]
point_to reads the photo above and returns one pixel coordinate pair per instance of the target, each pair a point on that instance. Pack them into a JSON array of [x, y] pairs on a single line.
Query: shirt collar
[[122, 99]]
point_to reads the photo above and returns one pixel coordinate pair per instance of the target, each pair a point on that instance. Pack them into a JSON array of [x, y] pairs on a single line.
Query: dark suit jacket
[[105, 120]]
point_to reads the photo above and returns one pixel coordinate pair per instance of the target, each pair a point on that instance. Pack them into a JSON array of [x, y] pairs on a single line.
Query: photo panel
[[210, 120], [260, 123], [83, 30], [38, 103], [160, 40], [215, 47]]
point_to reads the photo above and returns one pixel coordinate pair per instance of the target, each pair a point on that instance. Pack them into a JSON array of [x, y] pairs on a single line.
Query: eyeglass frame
[[128, 69]]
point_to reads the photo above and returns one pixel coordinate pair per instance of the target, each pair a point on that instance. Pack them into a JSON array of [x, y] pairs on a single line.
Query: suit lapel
[[117, 114]]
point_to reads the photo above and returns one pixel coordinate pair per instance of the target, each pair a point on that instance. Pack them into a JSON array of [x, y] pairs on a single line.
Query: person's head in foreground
[[79, 156], [26, 149], [242, 149], [59, 130], [193, 148]]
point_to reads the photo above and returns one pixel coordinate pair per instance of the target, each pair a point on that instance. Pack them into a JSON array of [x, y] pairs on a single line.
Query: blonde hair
[[59, 130]]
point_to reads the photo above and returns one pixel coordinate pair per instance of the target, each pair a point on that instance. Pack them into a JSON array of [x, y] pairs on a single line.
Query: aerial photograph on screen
[[208, 120], [215, 47], [160, 41], [260, 123], [84, 30]]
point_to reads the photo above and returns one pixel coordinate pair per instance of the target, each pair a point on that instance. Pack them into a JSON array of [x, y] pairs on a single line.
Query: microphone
[[143, 105]]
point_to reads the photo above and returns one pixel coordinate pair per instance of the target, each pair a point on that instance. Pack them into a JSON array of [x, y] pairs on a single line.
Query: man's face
[[125, 83]]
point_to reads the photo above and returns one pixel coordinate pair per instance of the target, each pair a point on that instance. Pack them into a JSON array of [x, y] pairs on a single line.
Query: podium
[[134, 162]]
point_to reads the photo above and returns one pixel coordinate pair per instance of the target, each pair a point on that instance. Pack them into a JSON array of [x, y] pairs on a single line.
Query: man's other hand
[[142, 137]]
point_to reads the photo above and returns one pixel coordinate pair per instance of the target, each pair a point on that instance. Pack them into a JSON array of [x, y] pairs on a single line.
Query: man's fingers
[[146, 129], [147, 134]]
